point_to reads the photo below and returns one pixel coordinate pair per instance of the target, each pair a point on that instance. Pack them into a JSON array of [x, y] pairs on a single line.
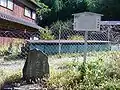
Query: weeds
[[9, 76], [101, 73], [97, 74]]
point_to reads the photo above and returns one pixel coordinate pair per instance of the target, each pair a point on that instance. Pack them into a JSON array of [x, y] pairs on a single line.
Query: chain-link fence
[[65, 42], [60, 46]]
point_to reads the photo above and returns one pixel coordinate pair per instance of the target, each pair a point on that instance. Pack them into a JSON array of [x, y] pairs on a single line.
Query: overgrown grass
[[9, 76], [103, 73], [100, 73], [10, 71]]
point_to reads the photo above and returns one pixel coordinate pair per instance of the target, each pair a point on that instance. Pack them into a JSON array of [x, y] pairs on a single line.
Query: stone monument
[[36, 65]]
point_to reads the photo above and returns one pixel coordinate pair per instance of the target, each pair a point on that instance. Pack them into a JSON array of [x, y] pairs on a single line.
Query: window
[[3, 3], [10, 4], [30, 13], [33, 15], [7, 3], [27, 12]]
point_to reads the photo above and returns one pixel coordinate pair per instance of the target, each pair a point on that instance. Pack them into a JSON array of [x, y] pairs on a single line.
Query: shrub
[[62, 27], [46, 34]]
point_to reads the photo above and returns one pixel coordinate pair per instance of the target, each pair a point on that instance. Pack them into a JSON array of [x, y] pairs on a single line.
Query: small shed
[[87, 21]]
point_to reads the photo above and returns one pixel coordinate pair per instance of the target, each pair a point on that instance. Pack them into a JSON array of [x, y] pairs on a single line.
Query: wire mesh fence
[[65, 42], [60, 47]]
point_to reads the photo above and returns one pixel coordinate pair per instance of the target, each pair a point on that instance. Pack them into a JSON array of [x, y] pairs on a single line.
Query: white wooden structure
[[87, 21]]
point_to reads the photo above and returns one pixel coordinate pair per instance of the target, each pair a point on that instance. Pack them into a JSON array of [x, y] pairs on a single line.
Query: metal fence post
[[109, 43], [59, 40], [86, 45]]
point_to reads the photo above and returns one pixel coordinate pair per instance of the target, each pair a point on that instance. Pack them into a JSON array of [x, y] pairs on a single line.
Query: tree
[[61, 10], [42, 12], [109, 8]]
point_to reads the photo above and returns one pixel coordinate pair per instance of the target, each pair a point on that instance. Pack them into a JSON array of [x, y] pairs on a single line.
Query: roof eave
[[76, 14], [7, 17]]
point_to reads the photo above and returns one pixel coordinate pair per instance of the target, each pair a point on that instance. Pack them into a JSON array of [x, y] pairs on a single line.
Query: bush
[[46, 34], [62, 27]]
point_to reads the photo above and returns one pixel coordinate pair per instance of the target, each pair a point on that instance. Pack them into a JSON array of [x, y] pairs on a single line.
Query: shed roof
[[110, 22], [18, 20], [87, 13]]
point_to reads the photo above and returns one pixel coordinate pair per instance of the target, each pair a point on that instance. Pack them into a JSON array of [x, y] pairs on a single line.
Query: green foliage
[[15, 77], [61, 10], [64, 28], [94, 75], [44, 8], [9, 76], [110, 8], [42, 12], [46, 34], [76, 37], [99, 74], [57, 5]]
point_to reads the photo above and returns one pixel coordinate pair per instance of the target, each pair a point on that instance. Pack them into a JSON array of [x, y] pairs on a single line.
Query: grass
[[9, 76], [10, 71], [101, 72], [96, 75]]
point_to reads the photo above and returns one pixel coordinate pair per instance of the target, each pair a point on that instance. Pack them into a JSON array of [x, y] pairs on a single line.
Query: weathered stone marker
[[36, 65]]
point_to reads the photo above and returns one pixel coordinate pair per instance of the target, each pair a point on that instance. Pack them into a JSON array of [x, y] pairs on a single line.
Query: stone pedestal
[[36, 65]]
